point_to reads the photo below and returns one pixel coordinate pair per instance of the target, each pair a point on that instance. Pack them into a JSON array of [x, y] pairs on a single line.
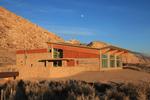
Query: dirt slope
[[17, 32]]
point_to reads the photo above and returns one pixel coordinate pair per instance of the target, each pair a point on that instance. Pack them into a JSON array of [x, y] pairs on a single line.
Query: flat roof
[[73, 45], [84, 46]]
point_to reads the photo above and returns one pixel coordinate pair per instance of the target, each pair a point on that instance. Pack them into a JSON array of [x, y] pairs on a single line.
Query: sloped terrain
[[18, 33], [7, 57]]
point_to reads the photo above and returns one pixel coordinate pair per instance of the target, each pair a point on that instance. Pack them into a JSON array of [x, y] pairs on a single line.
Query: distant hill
[[97, 44], [19, 33]]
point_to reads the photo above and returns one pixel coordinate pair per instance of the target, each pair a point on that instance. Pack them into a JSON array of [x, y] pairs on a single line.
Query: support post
[[100, 60], [115, 61]]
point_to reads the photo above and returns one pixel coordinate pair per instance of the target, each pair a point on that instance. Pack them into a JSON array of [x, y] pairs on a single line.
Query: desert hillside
[[18, 33]]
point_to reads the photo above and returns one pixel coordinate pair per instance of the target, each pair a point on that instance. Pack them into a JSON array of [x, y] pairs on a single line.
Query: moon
[[82, 16]]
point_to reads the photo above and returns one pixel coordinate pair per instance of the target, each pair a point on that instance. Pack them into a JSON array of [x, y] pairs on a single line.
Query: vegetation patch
[[73, 90]]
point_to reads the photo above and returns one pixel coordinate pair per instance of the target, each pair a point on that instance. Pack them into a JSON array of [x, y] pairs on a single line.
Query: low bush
[[73, 90]]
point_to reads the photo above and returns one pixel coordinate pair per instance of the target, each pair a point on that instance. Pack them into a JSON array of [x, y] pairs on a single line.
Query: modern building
[[65, 57]]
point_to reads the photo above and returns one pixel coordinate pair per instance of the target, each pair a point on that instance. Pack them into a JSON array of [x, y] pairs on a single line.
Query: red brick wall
[[71, 63], [31, 51], [76, 52]]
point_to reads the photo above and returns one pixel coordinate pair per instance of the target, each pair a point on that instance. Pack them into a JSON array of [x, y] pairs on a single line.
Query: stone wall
[[32, 60], [41, 72]]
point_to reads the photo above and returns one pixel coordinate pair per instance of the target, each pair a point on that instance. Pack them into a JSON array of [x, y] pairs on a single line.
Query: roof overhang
[[113, 50]]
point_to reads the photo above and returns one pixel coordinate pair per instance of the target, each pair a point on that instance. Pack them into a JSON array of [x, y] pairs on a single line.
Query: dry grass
[[74, 90]]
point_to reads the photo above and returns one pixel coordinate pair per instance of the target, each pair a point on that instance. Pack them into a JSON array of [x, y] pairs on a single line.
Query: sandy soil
[[125, 75]]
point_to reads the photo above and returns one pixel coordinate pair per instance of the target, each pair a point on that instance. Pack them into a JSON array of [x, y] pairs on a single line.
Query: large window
[[57, 53], [118, 61], [104, 60]]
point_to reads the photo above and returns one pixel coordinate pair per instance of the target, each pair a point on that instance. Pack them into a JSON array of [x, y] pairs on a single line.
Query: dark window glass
[[58, 53], [57, 63]]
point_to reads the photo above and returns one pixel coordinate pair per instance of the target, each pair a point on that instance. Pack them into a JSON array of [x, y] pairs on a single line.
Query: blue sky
[[124, 23]]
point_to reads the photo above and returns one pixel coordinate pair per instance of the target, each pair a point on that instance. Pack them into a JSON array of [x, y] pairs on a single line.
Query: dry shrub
[[74, 90], [115, 95], [129, 90]]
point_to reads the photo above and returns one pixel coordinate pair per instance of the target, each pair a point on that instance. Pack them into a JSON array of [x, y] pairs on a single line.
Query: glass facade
[[111, 61]]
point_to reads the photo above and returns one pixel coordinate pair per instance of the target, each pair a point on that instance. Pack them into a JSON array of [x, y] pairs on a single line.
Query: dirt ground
[[122, 75]]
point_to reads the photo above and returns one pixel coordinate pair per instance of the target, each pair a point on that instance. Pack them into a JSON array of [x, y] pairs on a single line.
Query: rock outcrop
[[73, 41], [97, 44]]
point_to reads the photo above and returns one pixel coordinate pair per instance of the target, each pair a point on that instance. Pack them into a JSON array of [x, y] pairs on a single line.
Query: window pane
[[60, 63], [112, 57], [104, 63], [112, 63], [118, 63], [104, 56], [55, 53], [118, 58], [55, 63], [58, 53]]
